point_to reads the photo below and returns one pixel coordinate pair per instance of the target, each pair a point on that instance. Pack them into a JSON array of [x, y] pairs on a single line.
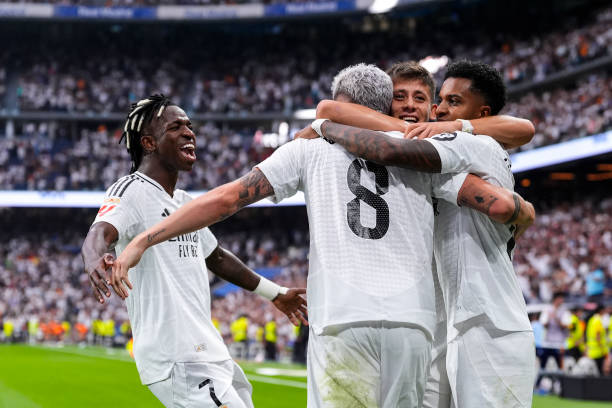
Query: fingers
[[98, 283], [294, 320], [97, 292], [120, 278], [302, 318]]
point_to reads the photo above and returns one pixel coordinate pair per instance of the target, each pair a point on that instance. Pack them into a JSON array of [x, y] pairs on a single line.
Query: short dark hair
[[486, 81], [140, 116], [407, 70]]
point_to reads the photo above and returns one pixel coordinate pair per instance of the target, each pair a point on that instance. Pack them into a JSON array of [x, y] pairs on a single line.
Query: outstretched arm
[[206, 210], [380, 148], [227, 266]]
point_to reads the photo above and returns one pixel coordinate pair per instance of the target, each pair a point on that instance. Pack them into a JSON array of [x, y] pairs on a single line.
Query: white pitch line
[[277, 381]]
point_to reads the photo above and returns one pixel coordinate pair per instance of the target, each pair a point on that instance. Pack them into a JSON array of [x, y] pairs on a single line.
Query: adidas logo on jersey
[[165, 213]]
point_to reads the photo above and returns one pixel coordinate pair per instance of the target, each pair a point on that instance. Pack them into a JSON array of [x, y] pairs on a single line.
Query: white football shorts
[[204, 385], [368, 364], [484, 367]]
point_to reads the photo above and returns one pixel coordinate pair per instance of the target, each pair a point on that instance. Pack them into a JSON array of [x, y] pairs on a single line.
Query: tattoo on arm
[[478, 202], [151, 237], [380, 148], [253, 187], [517, 209]]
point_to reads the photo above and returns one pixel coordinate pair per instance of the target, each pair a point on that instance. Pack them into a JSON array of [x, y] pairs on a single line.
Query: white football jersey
[[473, 253], [371, 234], [169, 307]]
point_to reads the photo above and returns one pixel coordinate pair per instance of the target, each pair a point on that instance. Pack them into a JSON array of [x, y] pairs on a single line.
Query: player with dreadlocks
[[179, 354]]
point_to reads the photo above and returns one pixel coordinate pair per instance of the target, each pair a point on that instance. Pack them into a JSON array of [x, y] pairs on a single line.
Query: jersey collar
[[150, 180]]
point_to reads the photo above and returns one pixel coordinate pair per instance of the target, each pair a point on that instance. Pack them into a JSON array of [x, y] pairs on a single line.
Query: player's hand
[[428, 129], [306, 133], [99, 273], [127, 259], [293, 305]]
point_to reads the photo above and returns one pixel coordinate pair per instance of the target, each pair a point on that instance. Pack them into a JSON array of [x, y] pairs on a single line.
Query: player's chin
[[186, 161]]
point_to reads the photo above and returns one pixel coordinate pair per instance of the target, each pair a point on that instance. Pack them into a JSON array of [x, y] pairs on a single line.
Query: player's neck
[[166, 178]]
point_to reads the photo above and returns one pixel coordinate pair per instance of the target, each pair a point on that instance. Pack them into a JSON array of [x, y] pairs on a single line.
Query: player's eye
[[398, 97]]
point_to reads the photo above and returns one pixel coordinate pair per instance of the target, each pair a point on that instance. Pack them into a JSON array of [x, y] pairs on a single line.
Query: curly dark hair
[[486, 81], [140, 116]]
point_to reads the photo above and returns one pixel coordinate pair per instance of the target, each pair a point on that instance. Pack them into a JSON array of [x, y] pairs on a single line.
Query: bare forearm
[[380, 148], [97, 242], [227, 266], [212, 207], [507, 130], [358, 116], [499, 204]]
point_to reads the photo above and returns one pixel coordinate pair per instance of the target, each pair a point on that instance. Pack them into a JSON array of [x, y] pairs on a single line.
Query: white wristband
[[316, 126], [466, 126], [268, 289]]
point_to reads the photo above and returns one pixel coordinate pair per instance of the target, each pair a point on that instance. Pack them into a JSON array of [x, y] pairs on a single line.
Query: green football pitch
[[66, 377]]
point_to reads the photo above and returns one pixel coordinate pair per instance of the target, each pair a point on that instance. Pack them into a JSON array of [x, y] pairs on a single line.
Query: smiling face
[[411, 100], [458, 101], [172, 142]]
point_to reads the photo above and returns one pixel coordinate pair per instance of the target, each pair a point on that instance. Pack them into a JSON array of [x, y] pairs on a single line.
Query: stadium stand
[[206, 75], [41, 150]]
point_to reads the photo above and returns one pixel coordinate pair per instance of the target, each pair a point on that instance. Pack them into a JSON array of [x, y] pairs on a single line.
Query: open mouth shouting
[[188, 152]]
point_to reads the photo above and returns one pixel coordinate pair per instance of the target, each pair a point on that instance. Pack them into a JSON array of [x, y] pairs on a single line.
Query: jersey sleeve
[[283, 169], [459, 150], [121, 212], [209, 242], [446, 186]]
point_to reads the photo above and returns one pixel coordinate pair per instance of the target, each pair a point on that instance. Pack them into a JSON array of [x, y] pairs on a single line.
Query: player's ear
[[148, 142], [485, 110], [432, 114]]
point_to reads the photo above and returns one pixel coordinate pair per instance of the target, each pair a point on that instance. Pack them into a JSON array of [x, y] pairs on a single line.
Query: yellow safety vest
[[239, 329], [124, 328], [270, 331], [66, 326], [576, 334], [215, 323], [596, 348], [9, 327], [32, 327]]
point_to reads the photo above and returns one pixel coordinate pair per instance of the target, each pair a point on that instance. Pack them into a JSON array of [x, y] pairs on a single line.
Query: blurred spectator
[[595, 284]]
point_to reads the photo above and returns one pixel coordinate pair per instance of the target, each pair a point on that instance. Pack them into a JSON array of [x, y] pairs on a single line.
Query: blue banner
[[296, 9], [114, 13]]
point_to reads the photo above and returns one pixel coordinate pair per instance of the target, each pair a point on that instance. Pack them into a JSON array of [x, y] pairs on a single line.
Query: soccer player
[[489, 358], [179, 354], [370, 283]]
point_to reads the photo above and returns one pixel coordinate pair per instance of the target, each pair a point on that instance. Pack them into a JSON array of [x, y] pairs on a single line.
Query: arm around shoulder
[[498, 203], [511, 132]]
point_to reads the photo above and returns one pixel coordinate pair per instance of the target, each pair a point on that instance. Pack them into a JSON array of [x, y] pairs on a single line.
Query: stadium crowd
[[42, 283], [47, 297], [564, 250], [229, 78], [48, 156]]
